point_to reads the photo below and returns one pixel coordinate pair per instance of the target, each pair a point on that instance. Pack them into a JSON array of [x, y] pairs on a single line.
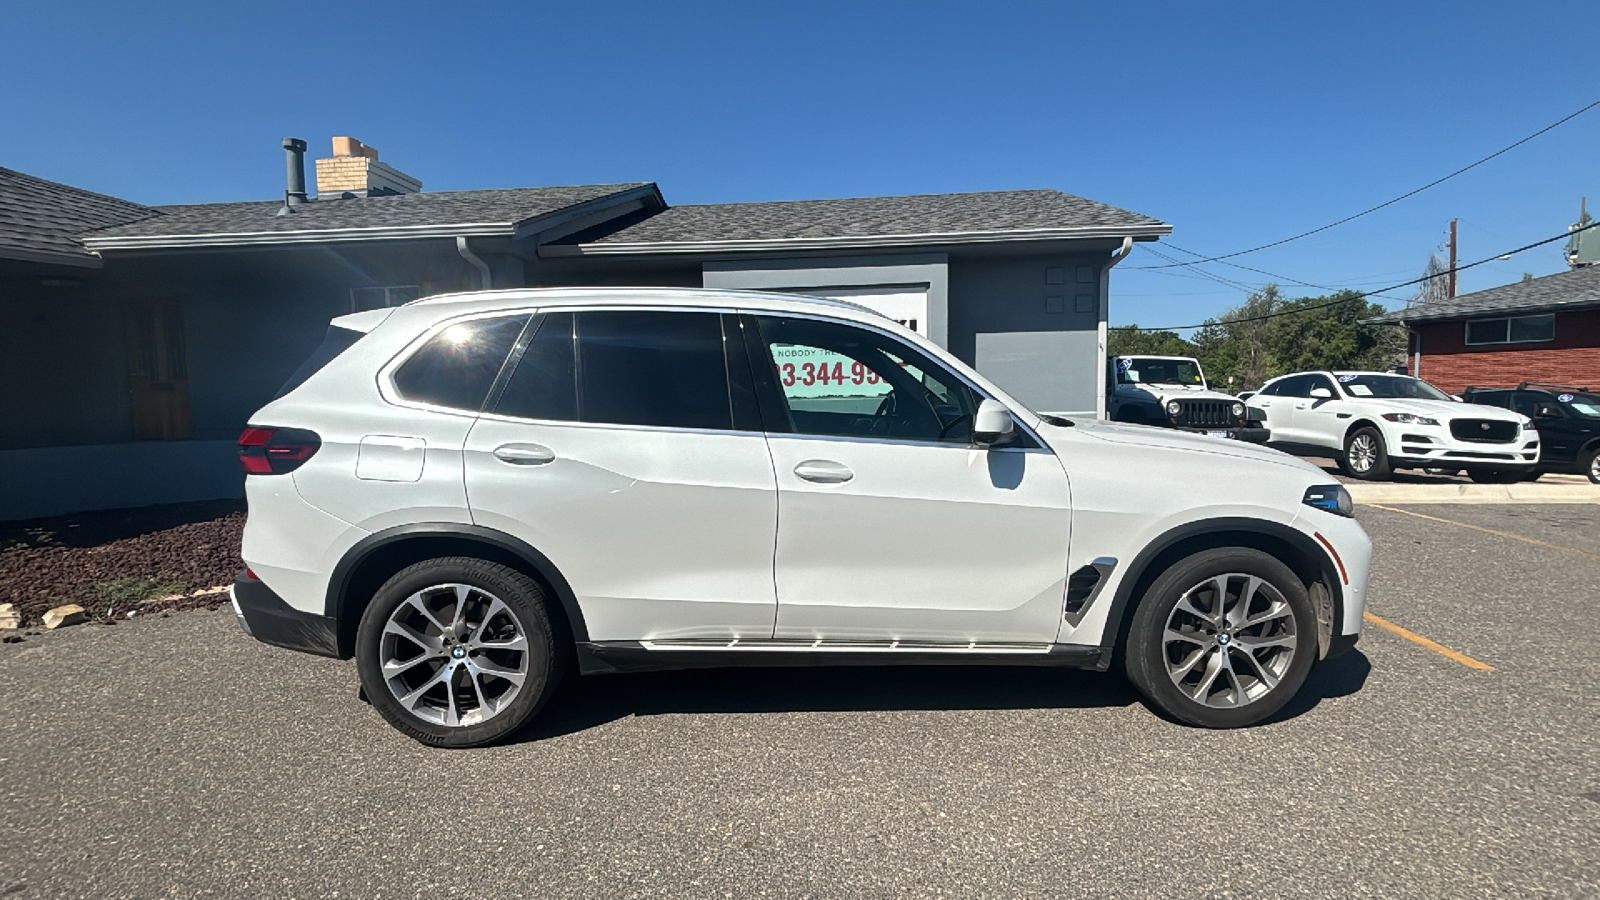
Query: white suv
[[472, 492], [1375, 422]]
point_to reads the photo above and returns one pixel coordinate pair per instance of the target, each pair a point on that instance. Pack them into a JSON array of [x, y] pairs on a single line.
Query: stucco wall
[[63, 348], [1572, 358]]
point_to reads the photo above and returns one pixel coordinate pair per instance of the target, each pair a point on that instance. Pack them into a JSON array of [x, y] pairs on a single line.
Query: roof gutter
[[1133, 232], [485, 277], [1103, 337]]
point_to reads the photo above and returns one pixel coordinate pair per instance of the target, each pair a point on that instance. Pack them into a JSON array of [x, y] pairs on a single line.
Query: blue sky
[[1238, 124]]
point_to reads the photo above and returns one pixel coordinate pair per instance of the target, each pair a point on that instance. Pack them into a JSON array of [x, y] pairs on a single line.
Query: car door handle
[[1302, 405], [525, 454], [824, 471]]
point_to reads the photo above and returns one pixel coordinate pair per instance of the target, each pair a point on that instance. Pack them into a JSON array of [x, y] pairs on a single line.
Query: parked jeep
[[1171, 392]]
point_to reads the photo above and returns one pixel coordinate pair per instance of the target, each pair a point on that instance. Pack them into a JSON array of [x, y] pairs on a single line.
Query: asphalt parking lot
[[178, 757]]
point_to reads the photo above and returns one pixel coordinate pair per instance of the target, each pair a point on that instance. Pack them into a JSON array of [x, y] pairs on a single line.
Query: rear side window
[[457, 366], [624, 368], [652, 368], [335, 342]]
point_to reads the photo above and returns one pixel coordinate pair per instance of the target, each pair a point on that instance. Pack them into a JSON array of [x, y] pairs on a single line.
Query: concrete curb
[[1475, 493]]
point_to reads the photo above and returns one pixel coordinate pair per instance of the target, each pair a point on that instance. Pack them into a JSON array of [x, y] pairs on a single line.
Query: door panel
[[920, 542], [661, 533]]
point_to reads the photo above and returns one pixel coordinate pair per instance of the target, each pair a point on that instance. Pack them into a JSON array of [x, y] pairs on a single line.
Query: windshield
[[1144, 370], [1588, 407], [1398, 387]]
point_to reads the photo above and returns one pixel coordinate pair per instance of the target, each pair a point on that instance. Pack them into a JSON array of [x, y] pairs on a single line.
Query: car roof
[[469, 302]]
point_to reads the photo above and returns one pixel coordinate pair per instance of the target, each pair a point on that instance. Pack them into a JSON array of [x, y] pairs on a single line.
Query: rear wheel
[[458, 652], [1223, 639], [1364, 454]]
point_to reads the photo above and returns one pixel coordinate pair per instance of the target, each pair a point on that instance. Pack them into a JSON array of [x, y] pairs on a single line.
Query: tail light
[[274, 451]]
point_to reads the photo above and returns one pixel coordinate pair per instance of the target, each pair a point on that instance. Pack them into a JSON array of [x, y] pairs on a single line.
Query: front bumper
[[1443, 451], [266, 617], [1250, 435]]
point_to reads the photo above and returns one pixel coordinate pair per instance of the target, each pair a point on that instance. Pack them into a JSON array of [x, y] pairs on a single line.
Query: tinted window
[[335, 342], [1293, 386], [1492, 398], [457, 366], [1320, 381], [652, 368], [544, 385], [841, 380], [1144, 370]]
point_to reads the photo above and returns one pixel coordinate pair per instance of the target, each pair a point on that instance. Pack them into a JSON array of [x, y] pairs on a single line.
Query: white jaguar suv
[[1376, 422], [473, 494]]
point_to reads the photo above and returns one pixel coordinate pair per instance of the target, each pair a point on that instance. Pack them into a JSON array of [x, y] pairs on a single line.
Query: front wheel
[[458, 652], [1365, 456], [1590, 465], [1223, 639]]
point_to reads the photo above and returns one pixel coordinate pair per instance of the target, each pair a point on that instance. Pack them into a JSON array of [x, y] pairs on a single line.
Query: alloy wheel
[[1363, 453], [1229, 640], [453, 655]]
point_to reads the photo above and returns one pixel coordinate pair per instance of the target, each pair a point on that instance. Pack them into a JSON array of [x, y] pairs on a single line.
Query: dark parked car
[[1567, 418]]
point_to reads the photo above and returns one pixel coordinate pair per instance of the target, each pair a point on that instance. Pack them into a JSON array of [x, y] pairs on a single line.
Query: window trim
[[385, 377], [1466, 330]]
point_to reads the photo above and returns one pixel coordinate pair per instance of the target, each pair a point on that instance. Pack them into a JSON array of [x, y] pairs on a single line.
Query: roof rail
[[1545, 384]]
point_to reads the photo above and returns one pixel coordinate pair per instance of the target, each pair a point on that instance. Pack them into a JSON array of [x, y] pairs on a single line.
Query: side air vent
[[1080, 587], [1084, 585]]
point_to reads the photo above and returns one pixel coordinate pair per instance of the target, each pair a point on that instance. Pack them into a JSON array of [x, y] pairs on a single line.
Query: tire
[[1172, 672], [1495, 476], [457, 633], [1364, 455], [1589, 464]]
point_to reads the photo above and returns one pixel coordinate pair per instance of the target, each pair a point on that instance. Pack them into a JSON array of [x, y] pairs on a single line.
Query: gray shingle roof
[[41, 220], [394, 216], [1574, 289], [924, 218]]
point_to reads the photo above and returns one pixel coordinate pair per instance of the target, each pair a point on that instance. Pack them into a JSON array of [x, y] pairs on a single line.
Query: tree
[[1329, 335], [1128, 340], [1240, 349], [1437, 287]]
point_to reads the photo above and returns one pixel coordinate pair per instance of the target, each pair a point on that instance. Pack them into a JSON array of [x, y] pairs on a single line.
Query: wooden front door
[[158, 372]]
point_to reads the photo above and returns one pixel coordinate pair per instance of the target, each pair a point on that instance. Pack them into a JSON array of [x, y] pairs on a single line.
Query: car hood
[[1176, 391], [1444, 408], [1168, 439]]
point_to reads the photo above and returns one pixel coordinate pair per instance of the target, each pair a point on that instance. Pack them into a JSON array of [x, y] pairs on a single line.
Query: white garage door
[[906, 305]]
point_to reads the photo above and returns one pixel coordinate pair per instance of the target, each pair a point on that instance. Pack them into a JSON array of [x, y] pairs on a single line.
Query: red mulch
[[48, 562]]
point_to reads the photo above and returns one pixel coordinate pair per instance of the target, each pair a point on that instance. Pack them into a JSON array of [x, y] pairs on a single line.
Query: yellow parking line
[[1442, 650], [1504, 534]]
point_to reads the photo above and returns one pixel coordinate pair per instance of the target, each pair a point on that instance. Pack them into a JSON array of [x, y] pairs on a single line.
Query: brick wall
[[1572, 358]]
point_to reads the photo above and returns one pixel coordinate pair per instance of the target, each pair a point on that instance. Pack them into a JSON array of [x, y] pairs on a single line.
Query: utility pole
[[1452, 282]]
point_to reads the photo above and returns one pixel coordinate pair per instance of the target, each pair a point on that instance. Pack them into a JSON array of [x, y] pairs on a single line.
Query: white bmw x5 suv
[[474, 493]]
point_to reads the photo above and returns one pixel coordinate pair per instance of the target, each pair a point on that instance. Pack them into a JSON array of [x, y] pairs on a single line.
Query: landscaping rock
[[71, 614], [9, 617]]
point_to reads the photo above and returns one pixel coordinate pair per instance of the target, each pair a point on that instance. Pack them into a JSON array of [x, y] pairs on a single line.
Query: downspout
[[1102, 337], [485, 280]]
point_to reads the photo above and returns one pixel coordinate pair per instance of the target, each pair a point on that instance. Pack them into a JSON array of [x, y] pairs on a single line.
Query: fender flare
[[1152, 551], [339, 581]]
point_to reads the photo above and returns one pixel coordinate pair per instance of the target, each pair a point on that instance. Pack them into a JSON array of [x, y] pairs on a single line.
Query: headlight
[[1527, 425], [1409, 419], [1238, 410], [1174, 407], [1331, 498]]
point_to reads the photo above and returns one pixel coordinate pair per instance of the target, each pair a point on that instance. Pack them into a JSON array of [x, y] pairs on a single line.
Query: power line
[[1366, 294], [1320, 287], [1202, 272], [1407, 194]]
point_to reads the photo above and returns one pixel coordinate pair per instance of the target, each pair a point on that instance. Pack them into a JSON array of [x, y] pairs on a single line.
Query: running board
[[602, 657]]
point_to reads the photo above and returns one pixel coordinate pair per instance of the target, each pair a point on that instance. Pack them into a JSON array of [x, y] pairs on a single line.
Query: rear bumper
[[266, 617]]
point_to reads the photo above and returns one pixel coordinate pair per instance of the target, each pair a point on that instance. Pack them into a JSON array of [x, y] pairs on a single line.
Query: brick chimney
[[354, 171]]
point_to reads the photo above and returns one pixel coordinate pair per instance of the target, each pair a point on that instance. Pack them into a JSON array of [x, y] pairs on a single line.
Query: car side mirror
[[993, 424], [1322, 393]]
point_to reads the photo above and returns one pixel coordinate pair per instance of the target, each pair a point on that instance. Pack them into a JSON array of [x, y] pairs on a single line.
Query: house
[[1542, 329], [147, 335]]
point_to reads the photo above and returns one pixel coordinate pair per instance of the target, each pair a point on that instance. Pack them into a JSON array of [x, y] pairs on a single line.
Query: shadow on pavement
[[585, 703]]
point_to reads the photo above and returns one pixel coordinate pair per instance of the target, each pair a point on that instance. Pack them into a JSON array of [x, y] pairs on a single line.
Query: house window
[[378, 297], [1515, 330]]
